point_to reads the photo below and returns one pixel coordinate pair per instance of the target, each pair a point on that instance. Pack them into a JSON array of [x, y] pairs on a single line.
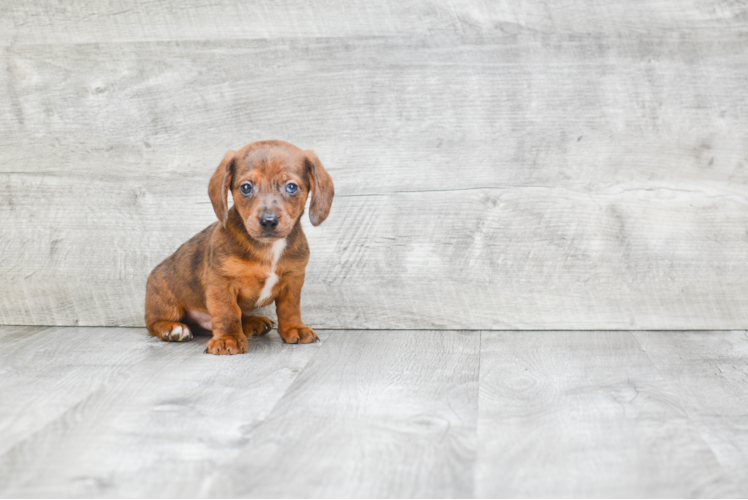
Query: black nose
[[268, 222]]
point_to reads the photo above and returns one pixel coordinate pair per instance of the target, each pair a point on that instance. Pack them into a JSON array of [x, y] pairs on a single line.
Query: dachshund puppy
[[256, 254]]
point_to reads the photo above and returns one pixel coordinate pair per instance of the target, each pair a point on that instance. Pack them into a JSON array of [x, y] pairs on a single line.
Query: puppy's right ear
[[220, 183]]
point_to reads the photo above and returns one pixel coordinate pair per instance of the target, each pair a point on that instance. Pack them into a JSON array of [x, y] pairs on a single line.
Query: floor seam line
[[692, 419], [477, 416]]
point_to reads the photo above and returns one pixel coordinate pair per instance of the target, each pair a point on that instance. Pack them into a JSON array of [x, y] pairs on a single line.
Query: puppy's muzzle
[[269, 222]]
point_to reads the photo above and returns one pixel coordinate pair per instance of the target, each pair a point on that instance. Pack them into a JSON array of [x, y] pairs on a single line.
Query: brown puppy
[[255, 255]]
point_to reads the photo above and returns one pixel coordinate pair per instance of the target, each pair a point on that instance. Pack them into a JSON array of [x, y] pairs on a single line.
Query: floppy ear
[[322, 189], [218, 188]]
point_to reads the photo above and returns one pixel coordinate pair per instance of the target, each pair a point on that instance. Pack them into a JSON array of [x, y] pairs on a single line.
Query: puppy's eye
[[291, 188], [246, 188]]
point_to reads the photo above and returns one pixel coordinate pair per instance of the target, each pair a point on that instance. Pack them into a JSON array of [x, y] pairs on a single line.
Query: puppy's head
[[270, 182]]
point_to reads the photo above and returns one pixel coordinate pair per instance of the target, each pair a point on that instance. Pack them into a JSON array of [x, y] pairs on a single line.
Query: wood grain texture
[[709, 373], [586, 414], [114, 412], [375, 414], [485, 179], [508, 258], [83, 21]]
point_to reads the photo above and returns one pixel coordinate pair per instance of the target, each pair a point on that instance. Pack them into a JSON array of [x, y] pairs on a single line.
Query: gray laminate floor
[[112, 412]]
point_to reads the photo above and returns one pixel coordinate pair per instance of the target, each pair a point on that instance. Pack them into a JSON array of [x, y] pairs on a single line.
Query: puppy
[[256, 254]]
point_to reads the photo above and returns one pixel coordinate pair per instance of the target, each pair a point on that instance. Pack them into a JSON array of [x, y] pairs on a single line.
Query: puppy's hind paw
[[173, 331], [256, 326]]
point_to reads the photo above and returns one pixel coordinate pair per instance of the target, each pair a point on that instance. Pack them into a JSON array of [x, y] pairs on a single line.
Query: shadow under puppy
[[255, 255]]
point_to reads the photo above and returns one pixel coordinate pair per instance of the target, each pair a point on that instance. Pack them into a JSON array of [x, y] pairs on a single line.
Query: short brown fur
[[216, 278]]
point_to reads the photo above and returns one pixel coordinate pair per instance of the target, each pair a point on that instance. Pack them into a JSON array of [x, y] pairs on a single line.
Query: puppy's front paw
[[172, 331], [256, 325], [298, 335], [228, 344]]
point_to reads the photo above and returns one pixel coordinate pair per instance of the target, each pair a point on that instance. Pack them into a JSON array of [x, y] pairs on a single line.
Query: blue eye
[[291, 188], [246, 188]]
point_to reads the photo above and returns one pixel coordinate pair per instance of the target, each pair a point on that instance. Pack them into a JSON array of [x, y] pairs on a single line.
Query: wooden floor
[[111, 412]]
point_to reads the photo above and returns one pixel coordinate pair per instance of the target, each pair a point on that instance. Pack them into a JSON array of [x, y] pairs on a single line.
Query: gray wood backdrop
[[546, 165]]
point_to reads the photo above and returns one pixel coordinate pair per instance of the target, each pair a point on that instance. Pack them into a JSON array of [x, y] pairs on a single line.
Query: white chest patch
[[272, 278]]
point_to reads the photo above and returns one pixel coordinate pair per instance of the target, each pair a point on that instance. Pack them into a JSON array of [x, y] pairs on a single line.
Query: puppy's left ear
[[218, 188], [323, 189]]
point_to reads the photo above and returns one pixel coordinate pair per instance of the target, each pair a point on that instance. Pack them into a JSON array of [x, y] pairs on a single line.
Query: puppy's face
[[270, 182], [270, 189]]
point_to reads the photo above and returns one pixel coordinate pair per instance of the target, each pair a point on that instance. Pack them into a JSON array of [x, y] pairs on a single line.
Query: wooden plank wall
[[498, 165]]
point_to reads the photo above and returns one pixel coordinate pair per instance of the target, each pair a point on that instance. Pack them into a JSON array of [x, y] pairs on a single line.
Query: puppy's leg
[[256, 325], [162, 313], [226, 316], [288, 305]]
